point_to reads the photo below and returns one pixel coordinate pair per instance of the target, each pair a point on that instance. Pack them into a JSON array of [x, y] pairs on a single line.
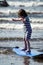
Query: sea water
[[12, 33]]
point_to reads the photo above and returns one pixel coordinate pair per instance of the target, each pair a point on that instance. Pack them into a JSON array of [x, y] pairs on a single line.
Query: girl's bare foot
[[24, 49], [28, 51]]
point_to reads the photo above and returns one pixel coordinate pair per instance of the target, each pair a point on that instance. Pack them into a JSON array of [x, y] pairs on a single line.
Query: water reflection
[[26, 61], [38, 59]]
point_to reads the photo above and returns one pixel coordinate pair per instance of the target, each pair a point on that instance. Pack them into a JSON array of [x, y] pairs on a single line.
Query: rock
[[4, 3]]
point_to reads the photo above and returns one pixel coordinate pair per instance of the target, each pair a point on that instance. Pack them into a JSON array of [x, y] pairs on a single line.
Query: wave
[[19, 39], [5, 20], [28, 5], [25, 3], [26, 0], [19, 26], [36, 20], [11, 26], [12, 14]]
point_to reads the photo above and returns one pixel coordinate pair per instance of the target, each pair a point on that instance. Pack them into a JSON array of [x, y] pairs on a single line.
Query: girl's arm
[[17, 19]]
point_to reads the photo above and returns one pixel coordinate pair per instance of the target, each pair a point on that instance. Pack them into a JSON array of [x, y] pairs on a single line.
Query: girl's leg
[[28, 46], [28, 43], [25, 45]]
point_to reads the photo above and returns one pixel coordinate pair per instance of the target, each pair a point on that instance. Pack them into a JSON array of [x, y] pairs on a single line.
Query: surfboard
[[33, 53]]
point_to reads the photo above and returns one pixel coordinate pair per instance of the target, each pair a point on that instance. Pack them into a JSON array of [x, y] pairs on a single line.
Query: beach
[[12, 33]]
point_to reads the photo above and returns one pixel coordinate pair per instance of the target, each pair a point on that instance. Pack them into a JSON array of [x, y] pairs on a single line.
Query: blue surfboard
[[23, 53]]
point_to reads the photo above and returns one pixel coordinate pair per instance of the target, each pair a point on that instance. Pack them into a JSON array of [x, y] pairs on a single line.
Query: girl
[[27, 27]]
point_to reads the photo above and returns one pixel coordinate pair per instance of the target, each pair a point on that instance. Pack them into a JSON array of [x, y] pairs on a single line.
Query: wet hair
[[22, 13]]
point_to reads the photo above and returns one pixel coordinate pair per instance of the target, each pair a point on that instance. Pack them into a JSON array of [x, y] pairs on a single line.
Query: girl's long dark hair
[[22, 13]]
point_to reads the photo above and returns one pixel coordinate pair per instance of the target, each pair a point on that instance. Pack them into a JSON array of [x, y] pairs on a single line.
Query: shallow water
[[12, 33], [17, 60], [10, 58]]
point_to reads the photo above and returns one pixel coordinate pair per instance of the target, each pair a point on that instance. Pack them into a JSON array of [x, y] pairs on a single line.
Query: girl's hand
[[17, 19], [13, 19]]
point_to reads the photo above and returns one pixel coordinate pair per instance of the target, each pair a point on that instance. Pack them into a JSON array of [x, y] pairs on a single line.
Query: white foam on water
[[16, 8], [20, 26], [27, 3], [36, 20], [37, 26], [39, 20], [24, 3], [40, 3], [16, 5], [11, 26]]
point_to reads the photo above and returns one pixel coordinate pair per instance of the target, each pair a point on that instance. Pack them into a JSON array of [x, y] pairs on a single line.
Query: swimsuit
[[27, 28]]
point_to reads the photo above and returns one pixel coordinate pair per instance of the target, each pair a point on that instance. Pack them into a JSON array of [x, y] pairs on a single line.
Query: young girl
[[27, 27]]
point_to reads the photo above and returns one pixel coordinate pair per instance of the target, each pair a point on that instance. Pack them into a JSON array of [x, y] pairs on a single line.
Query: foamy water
[[29, 5], [12, 33], [34, 7], [7, 23], [20, 26]]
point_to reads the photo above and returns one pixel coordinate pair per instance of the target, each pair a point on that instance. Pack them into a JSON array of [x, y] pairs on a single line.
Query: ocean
[[12, 33]]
